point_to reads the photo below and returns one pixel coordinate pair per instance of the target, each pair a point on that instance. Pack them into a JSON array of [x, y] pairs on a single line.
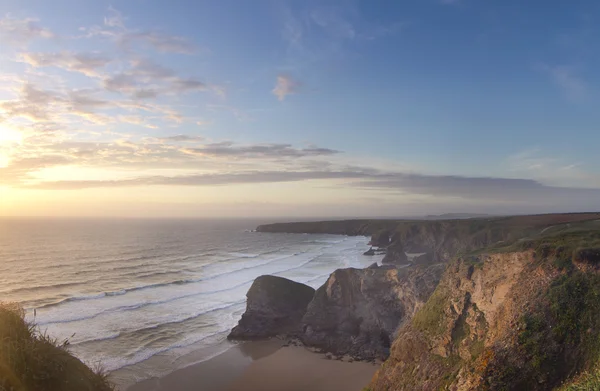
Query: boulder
[[357, 311], [275, 306]]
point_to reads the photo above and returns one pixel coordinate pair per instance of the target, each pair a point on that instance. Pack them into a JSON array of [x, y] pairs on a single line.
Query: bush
[[32, 361]]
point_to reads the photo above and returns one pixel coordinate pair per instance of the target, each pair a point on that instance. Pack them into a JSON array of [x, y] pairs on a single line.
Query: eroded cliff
[[526, 318], [357, 311]]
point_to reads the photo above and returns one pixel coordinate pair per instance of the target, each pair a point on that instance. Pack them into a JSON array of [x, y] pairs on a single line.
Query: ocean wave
[[167, 283], [38, 287], [243, 255], [171, 299], [159, 325], [142, 354], [138, 306]]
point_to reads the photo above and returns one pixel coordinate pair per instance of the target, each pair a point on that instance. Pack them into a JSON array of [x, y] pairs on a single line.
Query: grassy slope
[[31, 361]]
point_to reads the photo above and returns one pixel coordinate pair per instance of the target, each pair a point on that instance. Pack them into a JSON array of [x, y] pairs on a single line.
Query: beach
[[265, 366]]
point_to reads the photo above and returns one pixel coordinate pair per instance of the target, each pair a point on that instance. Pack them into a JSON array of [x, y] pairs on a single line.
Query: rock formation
[[357, 311], [275, 306], [395, 254]]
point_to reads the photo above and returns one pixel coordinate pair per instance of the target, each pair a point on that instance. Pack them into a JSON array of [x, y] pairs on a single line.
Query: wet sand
[[265, 366]]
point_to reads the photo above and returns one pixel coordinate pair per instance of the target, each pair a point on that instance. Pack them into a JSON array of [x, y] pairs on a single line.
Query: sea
[[141, 298]]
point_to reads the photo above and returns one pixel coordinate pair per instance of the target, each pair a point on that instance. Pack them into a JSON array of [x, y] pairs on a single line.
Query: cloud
[[146, 80], [116, 29], [331, 19], [86, 63], [205, 179], [136, 120], [285, 86], [160, 41], [182, 138], [497, 193], [59, 107], [33, 104], [19, 32], [176, 152], [230, 150], [565, 77], [482, 189]]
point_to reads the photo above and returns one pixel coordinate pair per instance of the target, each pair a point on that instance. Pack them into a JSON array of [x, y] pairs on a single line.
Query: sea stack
[[275, 306]]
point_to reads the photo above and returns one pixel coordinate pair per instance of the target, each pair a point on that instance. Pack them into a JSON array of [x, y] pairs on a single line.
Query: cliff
[[524, 317], [29, 360], [442, 239], [517, 307], [357, 311]]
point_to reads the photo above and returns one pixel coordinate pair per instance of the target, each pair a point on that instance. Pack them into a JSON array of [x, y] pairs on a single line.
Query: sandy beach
[[265, 366]]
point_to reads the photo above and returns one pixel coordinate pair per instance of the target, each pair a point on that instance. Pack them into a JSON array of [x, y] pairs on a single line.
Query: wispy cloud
[[20, 32], [285, 86], [116, 29], [230, 150], [147, 80], [86, 63], [550, 168], [566, 77], [182, 138]]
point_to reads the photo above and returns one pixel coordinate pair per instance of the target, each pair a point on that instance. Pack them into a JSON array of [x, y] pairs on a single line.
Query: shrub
[[32, 361]]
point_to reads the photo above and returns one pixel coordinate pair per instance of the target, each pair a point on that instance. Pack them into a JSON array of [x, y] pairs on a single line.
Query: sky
[[229, 108]]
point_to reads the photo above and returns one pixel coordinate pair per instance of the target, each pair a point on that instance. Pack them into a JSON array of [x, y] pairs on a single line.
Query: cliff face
[[357, 311], [523, 320], [442, 239], [275, 306]]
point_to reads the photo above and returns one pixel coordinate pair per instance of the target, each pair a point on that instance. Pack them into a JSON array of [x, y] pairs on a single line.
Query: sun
[[10, 136]]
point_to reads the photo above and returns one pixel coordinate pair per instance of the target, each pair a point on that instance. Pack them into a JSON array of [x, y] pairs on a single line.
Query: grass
[[429, 319], [587, 381], [32, 361]]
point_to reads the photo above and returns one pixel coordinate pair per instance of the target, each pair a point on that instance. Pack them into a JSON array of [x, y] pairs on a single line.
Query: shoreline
[[269, 365]]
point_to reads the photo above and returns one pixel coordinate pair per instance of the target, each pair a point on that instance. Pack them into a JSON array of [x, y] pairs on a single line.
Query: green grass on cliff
[[587, 381], [32, 361]]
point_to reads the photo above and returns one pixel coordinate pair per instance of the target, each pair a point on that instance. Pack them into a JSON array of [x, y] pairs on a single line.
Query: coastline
[[265, 366]]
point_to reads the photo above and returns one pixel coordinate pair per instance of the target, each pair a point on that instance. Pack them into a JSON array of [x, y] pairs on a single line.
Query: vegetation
[[586, 381], [32, 361], [430, 318]]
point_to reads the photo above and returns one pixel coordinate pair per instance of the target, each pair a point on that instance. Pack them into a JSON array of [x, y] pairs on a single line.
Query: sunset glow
[[119, 102]]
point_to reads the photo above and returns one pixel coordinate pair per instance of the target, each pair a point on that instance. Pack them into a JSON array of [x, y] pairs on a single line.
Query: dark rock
[[357, 311], [370, 251], [395, 254], [275, 306], [374, 265], [380, 238]]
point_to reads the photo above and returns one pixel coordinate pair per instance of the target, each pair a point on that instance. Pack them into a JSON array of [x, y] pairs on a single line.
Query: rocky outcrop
[[380, 238], [395, 254], [275, 306], [357, 311], [370, 252]]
